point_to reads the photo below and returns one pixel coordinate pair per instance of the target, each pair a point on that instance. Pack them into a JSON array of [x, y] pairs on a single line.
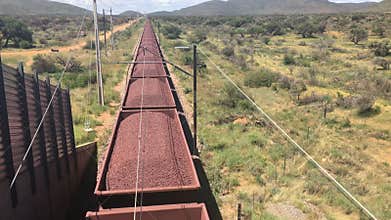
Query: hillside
[[130, 13], [261, 7], [384, 6], [37, 7]]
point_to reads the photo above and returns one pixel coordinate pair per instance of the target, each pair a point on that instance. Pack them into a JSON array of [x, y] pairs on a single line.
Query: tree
[[358, 34], [274, 28], [255, 31], [15, 31], [297, 88], [381, 49], [198, 36], [307, 29], [379, 30]]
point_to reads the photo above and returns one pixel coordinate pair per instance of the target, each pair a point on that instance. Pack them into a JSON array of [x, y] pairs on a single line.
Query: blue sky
[[152, 5]]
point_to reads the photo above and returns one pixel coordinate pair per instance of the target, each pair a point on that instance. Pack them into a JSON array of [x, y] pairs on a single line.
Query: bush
[[73, 65], [358, 34], [285, 82], [25, 44], [264, 78], [241, 62], [384, 63], [307, 29], [171, 31], [228, 51], [187, 60], [42, 64], [274, 28], [379, 30], [197, 37], [310, 99], [43, 41], [230, 96], [365, 103], [381, 49], [266, 40], [297, 88], [289, 59]]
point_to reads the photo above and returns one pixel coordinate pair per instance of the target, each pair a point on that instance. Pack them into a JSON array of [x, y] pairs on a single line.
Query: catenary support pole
[[111, 30], [195, 94], [104, 31], [98, 57]]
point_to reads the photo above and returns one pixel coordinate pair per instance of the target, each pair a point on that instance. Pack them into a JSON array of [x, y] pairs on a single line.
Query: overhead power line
[[339, 186]]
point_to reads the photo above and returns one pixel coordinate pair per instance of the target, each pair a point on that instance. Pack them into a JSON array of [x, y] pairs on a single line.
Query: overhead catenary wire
[[339, 186], [140, 139], [48, 106], [87, 122]]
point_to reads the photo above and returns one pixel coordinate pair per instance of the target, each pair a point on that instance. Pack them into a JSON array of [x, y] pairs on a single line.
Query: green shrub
[[171, 31], [265, 78], [230, 97], [228, 51], [289, 59], [25, 44], [43, 64], [365, 103]]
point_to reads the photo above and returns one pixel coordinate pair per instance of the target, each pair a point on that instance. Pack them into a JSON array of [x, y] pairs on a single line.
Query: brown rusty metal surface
[[191, 211], [49, 141], [156, 93], [165, 159], [148, 70], [33, 117], [14, 97]]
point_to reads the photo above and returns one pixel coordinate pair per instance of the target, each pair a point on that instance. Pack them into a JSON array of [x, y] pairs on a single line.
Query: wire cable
[[140, 139], [301, 149]]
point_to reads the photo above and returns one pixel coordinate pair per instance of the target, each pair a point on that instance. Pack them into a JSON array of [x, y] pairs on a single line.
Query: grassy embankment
[[248, 162]]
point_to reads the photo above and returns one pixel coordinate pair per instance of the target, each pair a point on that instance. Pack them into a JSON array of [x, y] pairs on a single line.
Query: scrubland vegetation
[[80, 74], [45, 31], [324, 78]]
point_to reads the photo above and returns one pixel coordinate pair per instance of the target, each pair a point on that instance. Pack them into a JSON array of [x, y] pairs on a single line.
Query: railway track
[[148, 170]]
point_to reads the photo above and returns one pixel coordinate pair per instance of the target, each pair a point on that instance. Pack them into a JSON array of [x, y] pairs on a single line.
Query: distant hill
[[38, 7], [384, 6], [263, 7], [130, 13]]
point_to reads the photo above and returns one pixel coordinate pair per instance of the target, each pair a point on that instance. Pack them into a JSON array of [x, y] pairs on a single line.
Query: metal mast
[[98, 57]]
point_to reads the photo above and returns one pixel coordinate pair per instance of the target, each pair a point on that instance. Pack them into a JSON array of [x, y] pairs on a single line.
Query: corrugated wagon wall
[[52, 174]]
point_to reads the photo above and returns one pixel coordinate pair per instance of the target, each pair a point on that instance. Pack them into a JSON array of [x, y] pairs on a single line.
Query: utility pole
[[239, 211], [111, 30], [98, 57], [195, 94], [104, 31]]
